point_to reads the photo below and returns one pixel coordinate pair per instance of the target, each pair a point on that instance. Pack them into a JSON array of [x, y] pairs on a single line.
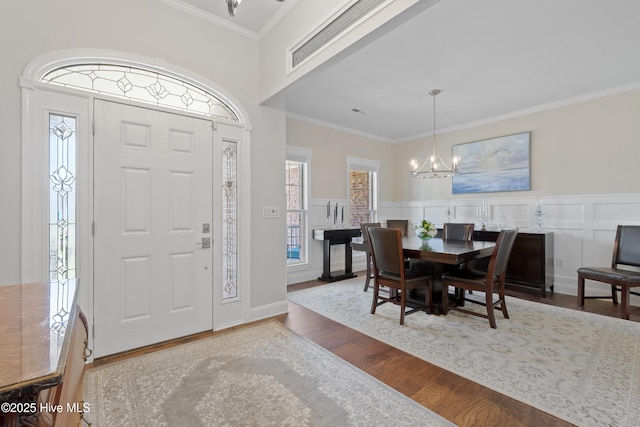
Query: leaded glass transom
[[62, 197], [229, 221], [141, 85]]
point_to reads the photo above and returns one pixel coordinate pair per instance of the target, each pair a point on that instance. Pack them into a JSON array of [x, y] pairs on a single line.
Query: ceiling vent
[[334, 28]]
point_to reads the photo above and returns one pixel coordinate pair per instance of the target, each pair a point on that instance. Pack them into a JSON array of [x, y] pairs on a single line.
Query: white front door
[[152, 206]]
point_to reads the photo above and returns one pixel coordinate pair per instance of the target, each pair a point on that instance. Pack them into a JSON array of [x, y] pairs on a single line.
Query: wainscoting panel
[[516, 212], [584, 228], [624, 212]]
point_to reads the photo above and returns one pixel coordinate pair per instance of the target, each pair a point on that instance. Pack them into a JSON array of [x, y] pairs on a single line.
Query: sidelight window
[[62, 197]]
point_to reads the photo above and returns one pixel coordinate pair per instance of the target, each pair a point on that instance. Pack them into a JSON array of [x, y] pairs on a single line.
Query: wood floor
[[455, 398]]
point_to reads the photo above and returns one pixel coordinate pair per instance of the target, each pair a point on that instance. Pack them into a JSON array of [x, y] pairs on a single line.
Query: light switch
[[270, 212]]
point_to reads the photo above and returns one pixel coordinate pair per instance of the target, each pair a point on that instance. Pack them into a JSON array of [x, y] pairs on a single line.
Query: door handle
[[205, 243]]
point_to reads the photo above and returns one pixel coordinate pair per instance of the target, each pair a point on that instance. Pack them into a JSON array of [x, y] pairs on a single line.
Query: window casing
[[296, 186]]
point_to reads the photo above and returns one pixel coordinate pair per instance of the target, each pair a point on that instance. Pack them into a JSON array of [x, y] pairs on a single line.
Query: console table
[[332, 237], [531, 261], [43, 339]]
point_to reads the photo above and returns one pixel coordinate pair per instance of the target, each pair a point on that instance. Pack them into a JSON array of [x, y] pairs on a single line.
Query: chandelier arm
[[434, 171]]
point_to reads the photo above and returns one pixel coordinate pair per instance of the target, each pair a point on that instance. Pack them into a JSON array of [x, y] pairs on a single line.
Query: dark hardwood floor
[[455, 398]]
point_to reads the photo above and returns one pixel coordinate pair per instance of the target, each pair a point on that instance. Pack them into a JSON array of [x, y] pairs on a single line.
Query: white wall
[[305, 18], [154, 30], [588, 147], [583, 170], [584, 173], [328, 181], [329, 165]]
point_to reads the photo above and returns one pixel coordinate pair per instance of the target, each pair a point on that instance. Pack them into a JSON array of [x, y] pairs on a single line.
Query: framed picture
[[492, 165]]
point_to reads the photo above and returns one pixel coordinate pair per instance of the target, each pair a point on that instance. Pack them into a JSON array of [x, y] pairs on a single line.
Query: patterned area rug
[[262, 375], [581, 367]]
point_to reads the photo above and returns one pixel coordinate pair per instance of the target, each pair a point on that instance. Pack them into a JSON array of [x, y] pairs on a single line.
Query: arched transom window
[[141, 85]]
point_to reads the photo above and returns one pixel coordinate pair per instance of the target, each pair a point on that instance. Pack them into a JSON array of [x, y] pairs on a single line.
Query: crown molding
[[199, 13]]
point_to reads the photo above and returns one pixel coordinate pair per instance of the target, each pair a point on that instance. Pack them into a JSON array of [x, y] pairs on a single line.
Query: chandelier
[[433, 166], [232, 5]]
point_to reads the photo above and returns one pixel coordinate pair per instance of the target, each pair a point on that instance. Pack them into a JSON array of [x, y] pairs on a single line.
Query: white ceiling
[[254, 17], [490, 58]]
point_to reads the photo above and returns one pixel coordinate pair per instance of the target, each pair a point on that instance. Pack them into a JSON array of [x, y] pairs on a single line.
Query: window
[[230, 220], [141, 85], [363, 190], [62, 196], [296, 191]]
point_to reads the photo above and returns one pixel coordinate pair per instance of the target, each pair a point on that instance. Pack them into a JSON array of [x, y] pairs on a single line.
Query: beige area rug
[[581, 367], [262, 375]]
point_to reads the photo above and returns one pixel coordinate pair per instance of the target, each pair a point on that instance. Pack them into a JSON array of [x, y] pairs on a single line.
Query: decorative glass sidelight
[[229, 220], [62, 197]]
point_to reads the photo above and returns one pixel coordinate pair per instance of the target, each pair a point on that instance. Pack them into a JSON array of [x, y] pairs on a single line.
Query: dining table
[[440, 253]]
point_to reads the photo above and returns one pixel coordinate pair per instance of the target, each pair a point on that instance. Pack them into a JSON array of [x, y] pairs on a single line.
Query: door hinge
[[93, 229], [93, 127]]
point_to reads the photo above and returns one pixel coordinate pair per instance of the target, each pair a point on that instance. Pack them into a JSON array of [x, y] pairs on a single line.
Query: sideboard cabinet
[[43, 348], [531, 261]]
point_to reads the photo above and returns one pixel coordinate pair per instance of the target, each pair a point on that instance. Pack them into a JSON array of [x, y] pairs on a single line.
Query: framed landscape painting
[[492, 165]]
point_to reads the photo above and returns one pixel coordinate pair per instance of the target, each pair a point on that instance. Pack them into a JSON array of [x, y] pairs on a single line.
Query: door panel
[[153, 191]]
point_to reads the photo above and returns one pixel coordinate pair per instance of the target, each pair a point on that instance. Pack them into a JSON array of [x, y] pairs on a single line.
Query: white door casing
[[38, 99], [153, 194]]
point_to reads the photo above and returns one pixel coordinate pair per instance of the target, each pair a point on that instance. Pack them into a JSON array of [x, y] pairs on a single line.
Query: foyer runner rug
[[581, 367], [262, 375]]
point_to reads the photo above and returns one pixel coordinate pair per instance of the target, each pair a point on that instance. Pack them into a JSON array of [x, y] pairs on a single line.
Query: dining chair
[[364, 226], [403, 226], [626, 252], [489, 282], [400, 224], [389, 270], [457, 231]]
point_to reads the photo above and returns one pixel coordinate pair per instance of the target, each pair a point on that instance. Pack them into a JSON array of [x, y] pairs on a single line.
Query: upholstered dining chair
[[403, 226], [457, 231], [489, 282], [389, 270], [364, 226], [400, 224], [626, 252]]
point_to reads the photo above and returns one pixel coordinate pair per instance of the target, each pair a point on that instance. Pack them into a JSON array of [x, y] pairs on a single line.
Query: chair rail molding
[[584, 226]]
